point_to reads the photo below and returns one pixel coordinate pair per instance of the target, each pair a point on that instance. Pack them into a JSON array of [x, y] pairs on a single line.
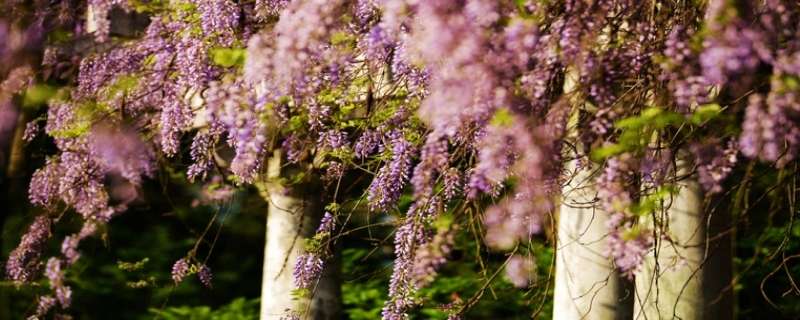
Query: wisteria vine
[[456, 102]]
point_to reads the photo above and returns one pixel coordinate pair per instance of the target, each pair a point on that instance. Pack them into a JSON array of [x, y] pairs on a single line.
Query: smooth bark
[[293, 214], [684, 277], [587, 286]]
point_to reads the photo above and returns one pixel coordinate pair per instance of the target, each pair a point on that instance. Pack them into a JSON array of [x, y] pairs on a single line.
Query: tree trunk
[[587, 286], [684, 277], [293, 216]]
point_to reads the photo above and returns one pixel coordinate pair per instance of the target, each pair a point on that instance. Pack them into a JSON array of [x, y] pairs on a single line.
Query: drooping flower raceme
[[309, 266], [388, 184], [23, 262]]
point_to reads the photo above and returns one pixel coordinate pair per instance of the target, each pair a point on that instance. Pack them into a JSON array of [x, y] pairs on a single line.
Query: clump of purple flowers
[[180, 270], [23, 262], [521, 270], [309, 266], [714, 163], [307, 270], [392, 177], [627, 244], [204, 275], [55, 274]]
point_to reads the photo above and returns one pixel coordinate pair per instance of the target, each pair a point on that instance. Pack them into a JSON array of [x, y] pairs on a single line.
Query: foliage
[[238, 309]]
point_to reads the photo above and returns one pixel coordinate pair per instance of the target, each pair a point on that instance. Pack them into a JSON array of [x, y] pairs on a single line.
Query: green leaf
[[332, 207], [228, 57], [123, 84], [607, 151], [502, 118], [444, 222], [341, 37], [791, 82], [38, 95], [705, 113], [651, 112], [60, 36], [651, 202], [631, 123]]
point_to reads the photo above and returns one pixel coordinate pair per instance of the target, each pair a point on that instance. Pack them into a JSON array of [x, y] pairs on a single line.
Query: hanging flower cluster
[[449, 101]]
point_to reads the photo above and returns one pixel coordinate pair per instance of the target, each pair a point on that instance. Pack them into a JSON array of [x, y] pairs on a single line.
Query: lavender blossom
[[494, 160], [219, 18], [309, 266], [237, 112], [45, 304], [734, 52], [400, 284], [293, 147], [327, 224], [271, 7], [175, 117], [44, 185], [307, 270], [333, 139], [297, 47], [31, 131], [431, 256], [202, 155], [392, 177], [180, 270], [121, 152], [377, 44], [99, 16], [453, 184], [434, 159], [23, 262], [627, 245], [714, 163], [520, 271], [203, 274], [367, 143], [55, 274], [69, 247]]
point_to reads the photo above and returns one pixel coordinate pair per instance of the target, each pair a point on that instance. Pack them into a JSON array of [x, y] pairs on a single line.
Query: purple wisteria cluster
[[234, 110], [23, 262], [204, 275], [307, 270], [410, 236], [627, 244], [55, 274], [712, 169], [431, 256], [465, 100], [121, 92], [69, 247], [284, 58], [769, 132], [184, 268], [309, 266], [521, 270], [180, 269], [387, 186]]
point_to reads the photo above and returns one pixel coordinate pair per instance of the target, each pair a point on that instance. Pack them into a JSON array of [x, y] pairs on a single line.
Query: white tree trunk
[[587, 286], [292, 217], [684, 276]]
